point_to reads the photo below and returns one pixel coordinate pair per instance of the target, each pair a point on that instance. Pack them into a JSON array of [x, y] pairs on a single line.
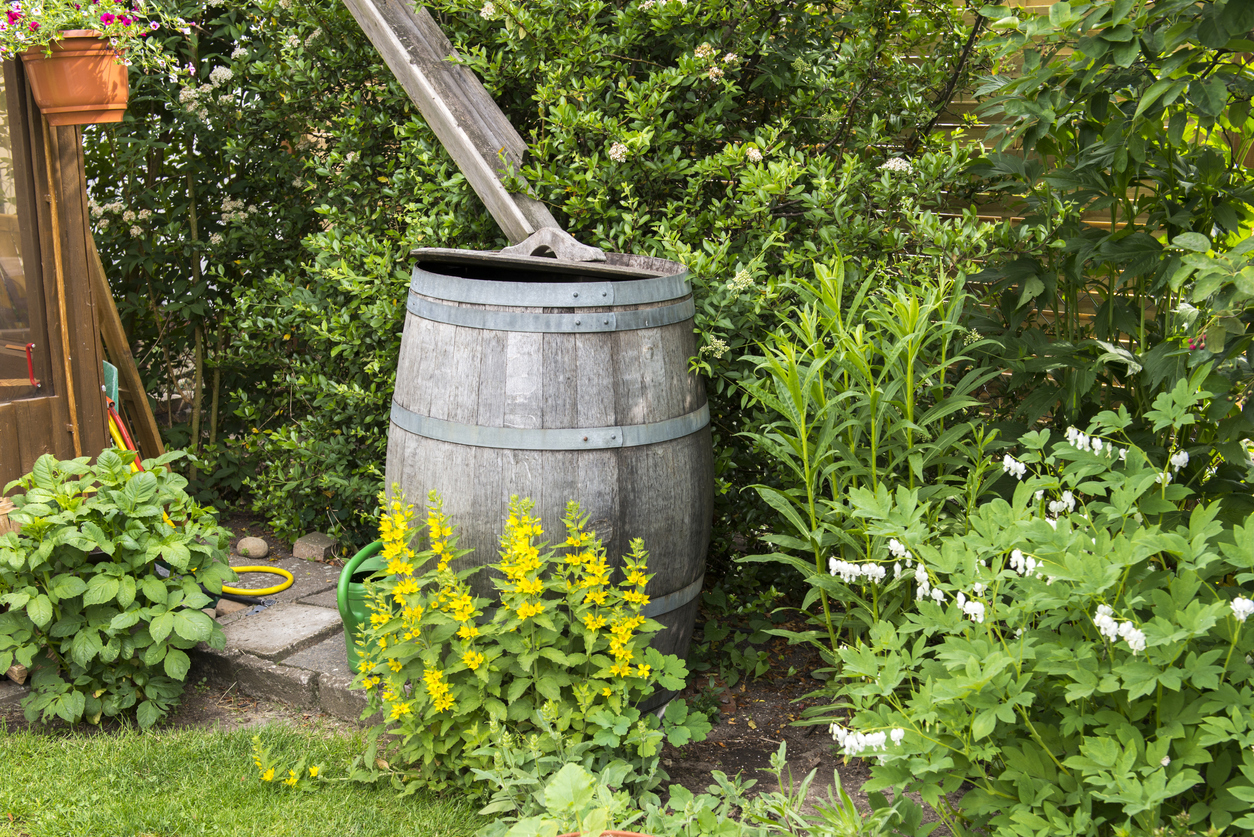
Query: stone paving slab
[[256, 677], [327, 657], [326, 599], [280, 631], [308, 577]]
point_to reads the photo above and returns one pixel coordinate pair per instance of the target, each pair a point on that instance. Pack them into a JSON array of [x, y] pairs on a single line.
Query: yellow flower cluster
[[437, 689], [473, 659], [439, 531], [521, 561]]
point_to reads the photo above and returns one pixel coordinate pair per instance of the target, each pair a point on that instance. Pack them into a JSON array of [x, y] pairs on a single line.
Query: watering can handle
[[346, 578]]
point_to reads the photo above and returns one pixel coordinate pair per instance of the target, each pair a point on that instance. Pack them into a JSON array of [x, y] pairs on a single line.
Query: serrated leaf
[[66, 586], [193, 625], [147, 714], [124, 621], [126, 591], [1193, 241], [176, 664], [161, 625], [39, 610], [100, 589], [85, 646], [154, 589]]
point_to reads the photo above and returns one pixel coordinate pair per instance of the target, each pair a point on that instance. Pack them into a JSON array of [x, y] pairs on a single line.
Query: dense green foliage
[[103, 590], [1129, 268], [283, 189]]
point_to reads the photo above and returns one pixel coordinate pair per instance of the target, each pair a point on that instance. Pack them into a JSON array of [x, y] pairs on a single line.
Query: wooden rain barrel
[[559, 380]]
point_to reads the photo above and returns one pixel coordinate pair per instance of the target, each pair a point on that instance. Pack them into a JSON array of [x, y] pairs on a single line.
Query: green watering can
[[350, 596]]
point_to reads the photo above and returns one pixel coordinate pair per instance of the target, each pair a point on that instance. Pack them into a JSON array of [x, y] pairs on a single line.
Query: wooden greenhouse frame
[[68, 305]]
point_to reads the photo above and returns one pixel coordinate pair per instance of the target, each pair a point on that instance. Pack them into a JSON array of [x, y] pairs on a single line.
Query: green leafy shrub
[[1077, 656], [564, 648], [1122, 135], [868, 393], [293, 166], [91, 613]]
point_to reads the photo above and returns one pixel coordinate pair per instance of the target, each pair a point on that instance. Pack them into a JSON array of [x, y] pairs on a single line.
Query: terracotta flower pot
[[80, 83]]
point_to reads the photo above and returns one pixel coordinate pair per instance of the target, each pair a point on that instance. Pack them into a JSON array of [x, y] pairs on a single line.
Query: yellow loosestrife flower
[[528, 609], [399, 566], [473, 659], [268, 776], [593, 623], [290, 781], [399, 709], [636, 597], [467, 631], [404, 588], [313, 772]]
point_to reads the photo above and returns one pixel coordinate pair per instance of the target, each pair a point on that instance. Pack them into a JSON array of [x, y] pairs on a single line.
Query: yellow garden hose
[[266, 591]]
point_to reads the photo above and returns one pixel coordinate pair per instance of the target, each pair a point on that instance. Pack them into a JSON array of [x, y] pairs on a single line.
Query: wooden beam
[[147, 434], [456, 105]]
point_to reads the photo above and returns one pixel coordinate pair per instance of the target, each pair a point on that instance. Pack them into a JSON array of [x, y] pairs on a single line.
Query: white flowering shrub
[[1085, 669]]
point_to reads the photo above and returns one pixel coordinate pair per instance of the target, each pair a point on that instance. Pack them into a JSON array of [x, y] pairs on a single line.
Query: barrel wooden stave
[[661, 492]]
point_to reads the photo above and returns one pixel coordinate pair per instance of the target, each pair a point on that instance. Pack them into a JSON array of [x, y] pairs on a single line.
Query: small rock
[[252, 548], [226, 606], [315, 547]]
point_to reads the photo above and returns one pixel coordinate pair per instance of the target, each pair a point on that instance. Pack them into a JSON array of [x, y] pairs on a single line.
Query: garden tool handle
[[346, 577]]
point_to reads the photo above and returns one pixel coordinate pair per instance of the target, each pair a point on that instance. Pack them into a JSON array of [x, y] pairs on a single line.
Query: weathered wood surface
[[457, 107], [661, 492], [147, 434]]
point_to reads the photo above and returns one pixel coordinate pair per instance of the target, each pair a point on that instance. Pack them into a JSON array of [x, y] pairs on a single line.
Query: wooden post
[[147, 434], [456, 106]]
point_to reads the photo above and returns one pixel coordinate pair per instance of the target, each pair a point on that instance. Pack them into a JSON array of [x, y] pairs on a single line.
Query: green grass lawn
[[190, 782]]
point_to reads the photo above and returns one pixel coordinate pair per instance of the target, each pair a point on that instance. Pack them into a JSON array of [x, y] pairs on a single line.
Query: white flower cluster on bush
[[1242, 608], [1112, 630], [1064, 504], [1083, 441], [856, 743], [1014, 467], [1023, 564], [970, 607], [849, 572]]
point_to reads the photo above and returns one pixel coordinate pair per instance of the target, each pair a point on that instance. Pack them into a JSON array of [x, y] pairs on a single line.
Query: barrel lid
[[615, 266]]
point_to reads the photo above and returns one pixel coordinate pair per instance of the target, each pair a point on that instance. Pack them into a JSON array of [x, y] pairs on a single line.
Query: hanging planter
[[80, 82]]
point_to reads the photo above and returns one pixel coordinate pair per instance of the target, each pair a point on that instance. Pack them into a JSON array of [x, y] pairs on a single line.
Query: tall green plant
[[870, 389]]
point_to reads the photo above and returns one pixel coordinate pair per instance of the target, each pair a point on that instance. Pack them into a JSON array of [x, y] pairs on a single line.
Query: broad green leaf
[[147, 714], [100, 589], [39, 610], [1195, 242], [161, 625], [571, 790], [193, 625], [154, 589], [176, 664], [67, 586]]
